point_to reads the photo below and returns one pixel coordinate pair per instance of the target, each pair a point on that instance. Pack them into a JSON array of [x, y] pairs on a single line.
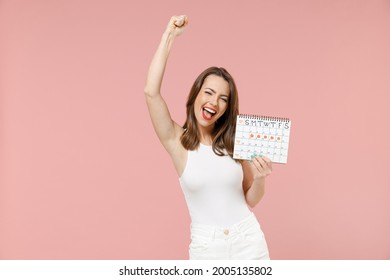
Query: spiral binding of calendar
[[264, 118]]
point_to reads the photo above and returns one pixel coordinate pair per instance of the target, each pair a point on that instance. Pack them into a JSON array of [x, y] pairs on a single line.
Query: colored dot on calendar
[[265, 136], [259, 136]]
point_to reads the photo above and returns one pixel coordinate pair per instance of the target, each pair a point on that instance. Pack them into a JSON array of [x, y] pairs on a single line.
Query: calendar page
[[262, 136]]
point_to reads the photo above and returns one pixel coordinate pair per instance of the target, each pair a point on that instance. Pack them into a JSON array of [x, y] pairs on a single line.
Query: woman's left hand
[[261, 167]]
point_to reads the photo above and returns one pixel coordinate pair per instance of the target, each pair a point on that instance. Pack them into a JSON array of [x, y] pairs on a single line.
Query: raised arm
[[167, 130]]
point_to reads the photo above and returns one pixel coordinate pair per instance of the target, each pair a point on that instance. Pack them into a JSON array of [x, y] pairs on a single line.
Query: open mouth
[[208, 113]]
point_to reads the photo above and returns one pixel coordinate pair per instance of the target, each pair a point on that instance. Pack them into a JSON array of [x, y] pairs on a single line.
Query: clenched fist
[[176, 25]]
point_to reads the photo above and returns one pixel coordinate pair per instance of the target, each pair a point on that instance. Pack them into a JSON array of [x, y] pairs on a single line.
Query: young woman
[[217, 188]]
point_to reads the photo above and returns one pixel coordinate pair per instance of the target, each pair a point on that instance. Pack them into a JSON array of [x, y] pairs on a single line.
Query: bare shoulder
[[173, 143], [176, 150]]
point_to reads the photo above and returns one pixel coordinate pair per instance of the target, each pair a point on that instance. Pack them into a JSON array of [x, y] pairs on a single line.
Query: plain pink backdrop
[[83, 175]]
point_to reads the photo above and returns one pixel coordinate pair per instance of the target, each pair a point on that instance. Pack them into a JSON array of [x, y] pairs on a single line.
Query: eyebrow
[[211, 90]]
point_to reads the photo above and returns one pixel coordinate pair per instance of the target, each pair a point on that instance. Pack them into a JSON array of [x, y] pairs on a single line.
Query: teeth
[[210, 111]]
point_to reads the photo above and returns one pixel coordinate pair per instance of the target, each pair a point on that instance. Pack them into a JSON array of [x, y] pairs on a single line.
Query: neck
[[205, 134]]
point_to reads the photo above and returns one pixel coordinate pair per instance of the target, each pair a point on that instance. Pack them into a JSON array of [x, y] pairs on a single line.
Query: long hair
[[224, 128]]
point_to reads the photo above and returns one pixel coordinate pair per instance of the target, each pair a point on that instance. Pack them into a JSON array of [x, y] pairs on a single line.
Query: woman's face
[[212, 100]]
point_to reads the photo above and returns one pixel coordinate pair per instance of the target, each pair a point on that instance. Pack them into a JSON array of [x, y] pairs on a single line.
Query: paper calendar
[[262, 135]]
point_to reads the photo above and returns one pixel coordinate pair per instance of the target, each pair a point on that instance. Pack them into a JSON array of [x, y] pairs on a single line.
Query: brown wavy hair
[[224, 129]]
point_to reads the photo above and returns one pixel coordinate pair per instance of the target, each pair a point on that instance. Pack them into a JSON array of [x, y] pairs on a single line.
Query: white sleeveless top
[[212, 187]]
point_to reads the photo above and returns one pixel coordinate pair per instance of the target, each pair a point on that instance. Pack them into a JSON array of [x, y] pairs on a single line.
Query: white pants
[[242, 241]]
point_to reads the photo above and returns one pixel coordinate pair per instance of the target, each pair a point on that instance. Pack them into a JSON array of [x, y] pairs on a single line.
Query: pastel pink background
[[83, 175]]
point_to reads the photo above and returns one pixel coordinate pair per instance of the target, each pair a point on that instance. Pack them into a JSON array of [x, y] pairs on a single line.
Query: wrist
[[259, 178], [167, 39], [168, 35]]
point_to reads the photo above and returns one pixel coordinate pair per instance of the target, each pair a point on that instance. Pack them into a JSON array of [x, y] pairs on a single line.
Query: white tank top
[[212, 187]]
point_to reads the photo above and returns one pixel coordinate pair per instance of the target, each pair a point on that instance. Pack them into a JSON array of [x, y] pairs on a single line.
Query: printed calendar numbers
[[268, 136]]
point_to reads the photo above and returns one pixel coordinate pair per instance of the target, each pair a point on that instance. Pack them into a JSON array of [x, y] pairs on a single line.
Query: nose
[[213, 100]]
